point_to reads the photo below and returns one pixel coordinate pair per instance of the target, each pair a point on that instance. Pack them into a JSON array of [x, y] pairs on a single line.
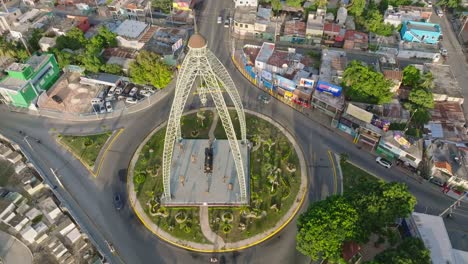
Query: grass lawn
[[86, 147], [275, 181], [353, 176], [194, 127]]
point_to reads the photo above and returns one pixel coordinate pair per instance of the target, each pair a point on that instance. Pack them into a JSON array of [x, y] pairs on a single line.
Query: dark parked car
[[118, 203], [57, 99]]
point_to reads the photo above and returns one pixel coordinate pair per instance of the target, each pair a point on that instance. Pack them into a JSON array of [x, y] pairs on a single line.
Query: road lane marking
[[335, 178], [106, 151]]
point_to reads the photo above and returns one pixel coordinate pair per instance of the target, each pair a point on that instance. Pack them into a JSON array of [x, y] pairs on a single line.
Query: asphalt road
[[90, 198]]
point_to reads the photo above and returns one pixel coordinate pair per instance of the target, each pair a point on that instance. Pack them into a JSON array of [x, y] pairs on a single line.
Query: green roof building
[[26, 81]]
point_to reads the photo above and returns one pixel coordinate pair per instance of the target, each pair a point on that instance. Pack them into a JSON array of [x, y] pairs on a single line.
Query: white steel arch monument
[[201, 64]]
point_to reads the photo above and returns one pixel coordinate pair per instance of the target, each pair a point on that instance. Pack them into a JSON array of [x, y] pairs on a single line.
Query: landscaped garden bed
[[275, 178], [86, 148]]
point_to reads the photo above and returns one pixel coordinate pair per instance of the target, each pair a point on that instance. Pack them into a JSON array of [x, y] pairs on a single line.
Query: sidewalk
[[13, 251], [218, 247]]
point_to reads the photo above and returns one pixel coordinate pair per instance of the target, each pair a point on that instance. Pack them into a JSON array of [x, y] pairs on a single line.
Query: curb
[[300, 201], [335, 185], [112, 139], [108, 144]]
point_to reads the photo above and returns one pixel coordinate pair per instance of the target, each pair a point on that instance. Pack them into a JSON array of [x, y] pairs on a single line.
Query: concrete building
[[266, 27], [50, 209], [420, 32], [131, 9], [356, 40], [294, 32], [432, 231], [446, 87], [8, 18], [244, 21], [333, 33], [168, 42], [396, 146], [357, 122], [417, 50], [315, 23], [241, 3], [25, 81], [448, 162], [396, 16], [341, 15], [61, 26], [131, 34], [45, 43]]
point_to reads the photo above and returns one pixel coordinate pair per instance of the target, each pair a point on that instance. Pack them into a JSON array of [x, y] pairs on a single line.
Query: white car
[[109, 107], [387, 164], [146, 93], [131, 100], [102, 109], [118, 90], [439, 12], [133, 91], [220, 20], [226, 23]]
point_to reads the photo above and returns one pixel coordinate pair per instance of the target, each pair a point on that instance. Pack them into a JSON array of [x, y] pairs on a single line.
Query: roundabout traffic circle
[[278, 184]]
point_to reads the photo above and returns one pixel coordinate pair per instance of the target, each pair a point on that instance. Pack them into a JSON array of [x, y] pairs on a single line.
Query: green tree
[[64, 58], [410, 251], [91, 62], [411, 76], [108, 36], [449, 3], [111, 68], [378, 204], [276, 5], [357, 7], [294, 3], [324, 227], [421, 98], [364, 84], [33, 41], [373, 22], [162, 5], [74, 39], [420, 117], [148, 68]]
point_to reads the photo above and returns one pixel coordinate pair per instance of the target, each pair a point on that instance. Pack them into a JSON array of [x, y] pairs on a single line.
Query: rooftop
[[246, 15], [456, 156], [444, 81], [432, 231], [263, 15], [315, 20], [445, 131], [448, 112], [251, 53], [337, 102], [331, 27], [295, 28], [408, 144], [332, 65], [279, 58], [131, 29], [393, 75], [423, 26], [265, 52], [356, 36]]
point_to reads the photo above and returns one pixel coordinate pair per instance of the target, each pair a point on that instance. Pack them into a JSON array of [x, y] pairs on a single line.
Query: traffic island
[[277, 188], [90, 150]]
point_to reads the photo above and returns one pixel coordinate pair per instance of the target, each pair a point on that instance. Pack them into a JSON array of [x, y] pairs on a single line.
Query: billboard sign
[[332, 89], [307, 83], [266, 75], [177, 45], [285, 83]]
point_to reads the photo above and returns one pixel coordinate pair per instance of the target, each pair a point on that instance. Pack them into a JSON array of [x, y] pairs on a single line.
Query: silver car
[[387, 164]]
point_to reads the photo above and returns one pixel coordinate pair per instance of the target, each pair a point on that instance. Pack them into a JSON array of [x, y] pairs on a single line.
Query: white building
[[244, 20], [341, 15], [130, 32], [315, 22], [239, 3]]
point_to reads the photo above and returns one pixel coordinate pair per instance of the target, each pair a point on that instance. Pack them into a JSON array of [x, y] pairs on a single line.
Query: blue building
[[421, 32]]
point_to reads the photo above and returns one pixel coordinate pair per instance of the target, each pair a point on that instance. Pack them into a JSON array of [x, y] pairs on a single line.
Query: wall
[[131, 44], [23, 98]]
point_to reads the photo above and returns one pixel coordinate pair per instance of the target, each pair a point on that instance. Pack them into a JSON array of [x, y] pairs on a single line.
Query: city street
[[90, 199]]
